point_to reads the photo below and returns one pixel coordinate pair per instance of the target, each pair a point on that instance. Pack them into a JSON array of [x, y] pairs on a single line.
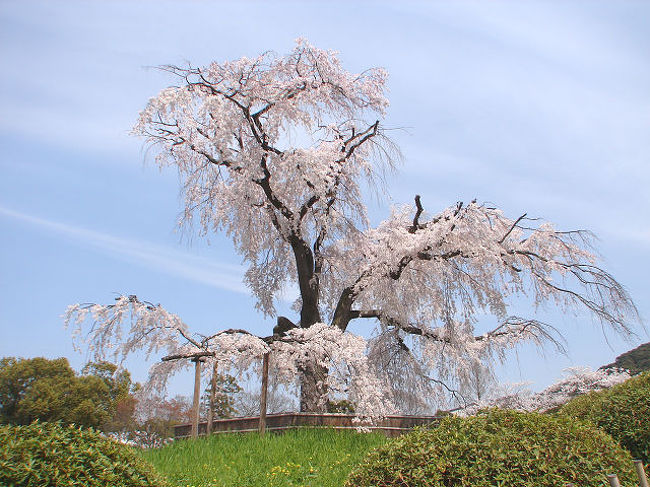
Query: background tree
[[117, 380], [225, 402], [274, 151], [122, 392], [17, 375], [49, 390], [635, 361], [159, 415]]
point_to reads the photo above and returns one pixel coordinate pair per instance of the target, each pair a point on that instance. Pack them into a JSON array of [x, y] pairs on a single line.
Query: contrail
[[146, 254]]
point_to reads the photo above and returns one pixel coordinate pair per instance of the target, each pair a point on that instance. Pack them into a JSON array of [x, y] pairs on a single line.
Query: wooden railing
[[390, 425], [640, 472]]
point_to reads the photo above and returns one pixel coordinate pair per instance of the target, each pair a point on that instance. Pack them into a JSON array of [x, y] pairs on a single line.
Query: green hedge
[[498, 447], [49, 454], [623, 411]]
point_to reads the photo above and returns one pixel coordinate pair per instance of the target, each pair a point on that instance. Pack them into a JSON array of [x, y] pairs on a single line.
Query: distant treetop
[[636, 360]]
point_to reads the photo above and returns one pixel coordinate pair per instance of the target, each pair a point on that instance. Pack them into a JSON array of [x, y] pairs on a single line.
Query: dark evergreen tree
[[636, 360]]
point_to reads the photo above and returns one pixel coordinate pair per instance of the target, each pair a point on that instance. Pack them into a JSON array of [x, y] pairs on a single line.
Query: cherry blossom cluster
[[150, 328], [228, 128], [344, 355], [576, 381], [472, 258]]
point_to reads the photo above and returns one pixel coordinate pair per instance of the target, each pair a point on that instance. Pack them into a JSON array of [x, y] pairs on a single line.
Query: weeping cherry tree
[[274, 151]]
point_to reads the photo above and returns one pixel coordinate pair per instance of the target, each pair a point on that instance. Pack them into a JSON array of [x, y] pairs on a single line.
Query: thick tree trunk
[[343, 309], [313, 389], [308, 282]]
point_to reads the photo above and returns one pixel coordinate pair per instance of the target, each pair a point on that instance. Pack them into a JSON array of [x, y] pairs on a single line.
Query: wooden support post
[[613, 480], [643, 480], [265, 387], [197, 393], [213, 397]]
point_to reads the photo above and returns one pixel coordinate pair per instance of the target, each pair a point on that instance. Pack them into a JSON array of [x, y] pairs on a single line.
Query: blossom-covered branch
[[150, 328], [576, 381]]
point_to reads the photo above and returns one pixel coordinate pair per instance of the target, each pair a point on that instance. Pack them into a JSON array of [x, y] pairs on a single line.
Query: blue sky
[[541, 108]]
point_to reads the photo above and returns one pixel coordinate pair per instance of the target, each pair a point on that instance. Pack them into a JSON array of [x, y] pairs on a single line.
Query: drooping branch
[[295, 350], [513, 328], [416, 388], [602, 289]]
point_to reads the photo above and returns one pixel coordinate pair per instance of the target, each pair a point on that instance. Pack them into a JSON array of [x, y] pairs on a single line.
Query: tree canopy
[[50, 390], [635, 361], [224, 404], [274, 151]]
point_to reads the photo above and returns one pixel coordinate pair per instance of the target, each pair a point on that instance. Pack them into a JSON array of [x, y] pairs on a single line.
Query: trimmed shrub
[[55, 455], [497, 447], [622, 411]]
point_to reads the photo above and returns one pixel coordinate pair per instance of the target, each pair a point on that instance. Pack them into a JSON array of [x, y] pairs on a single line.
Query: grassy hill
[[303, 457]]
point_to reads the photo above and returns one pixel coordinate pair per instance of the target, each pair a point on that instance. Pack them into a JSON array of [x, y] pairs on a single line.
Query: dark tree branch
[[283, 326], [416, 218], [265, 184], [348, 148], [511, 326], [512, 228]]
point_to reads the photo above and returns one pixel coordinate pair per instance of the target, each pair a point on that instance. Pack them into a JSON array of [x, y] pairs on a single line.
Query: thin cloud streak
[[146, 254]]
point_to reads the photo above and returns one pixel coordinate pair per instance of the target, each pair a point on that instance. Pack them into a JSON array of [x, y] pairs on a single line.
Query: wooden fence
[[613, 478], [390, 425], [638, 466]]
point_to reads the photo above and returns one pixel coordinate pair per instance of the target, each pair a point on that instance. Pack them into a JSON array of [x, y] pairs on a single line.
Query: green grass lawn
[[303, 457]]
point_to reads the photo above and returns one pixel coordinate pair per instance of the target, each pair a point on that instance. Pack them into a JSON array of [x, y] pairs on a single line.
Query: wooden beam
[[613, 480], [213, 397], [192, 356], [197, 392], [265, 387], [643, 480]]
